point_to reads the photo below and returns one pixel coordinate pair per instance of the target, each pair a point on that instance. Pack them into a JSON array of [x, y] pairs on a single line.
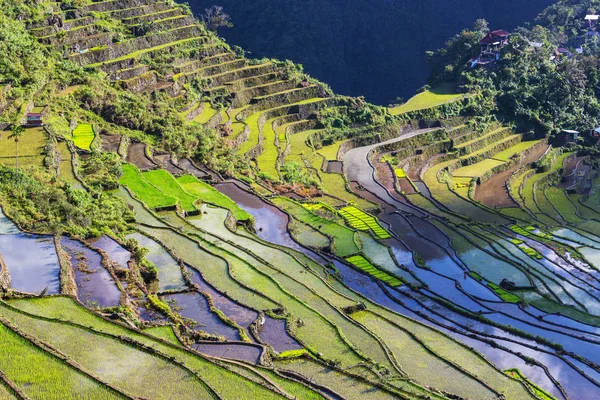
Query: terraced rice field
[[428, 99], [83, 136], [30, 148], [261, 288], [363, 222]]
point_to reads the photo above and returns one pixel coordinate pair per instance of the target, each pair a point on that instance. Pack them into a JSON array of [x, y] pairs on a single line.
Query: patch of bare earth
[[493, 192]]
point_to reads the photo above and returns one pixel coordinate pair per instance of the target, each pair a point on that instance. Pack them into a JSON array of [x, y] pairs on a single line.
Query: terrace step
[[70, 36], [212, 69], [129, 73], [66, 26], [289, 96], [173, 12], [192, 65], [140, 83], [245, 96], [251, 71], [139, 46], [482, 141], [99, 40], [164, 24], [491, 149], [140, 11], [112, 5]]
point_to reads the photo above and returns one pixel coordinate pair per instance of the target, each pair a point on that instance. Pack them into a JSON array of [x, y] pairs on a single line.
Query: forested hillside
[[371, 48]]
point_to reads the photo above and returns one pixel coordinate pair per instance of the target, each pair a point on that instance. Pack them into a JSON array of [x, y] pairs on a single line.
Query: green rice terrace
[[188, 222]]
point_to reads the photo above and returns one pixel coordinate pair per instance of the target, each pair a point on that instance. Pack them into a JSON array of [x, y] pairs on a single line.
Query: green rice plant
[[335, 380], [225, 382], [566, 209], [365, 265], [531, 252], [210, 195], [164, 332], [419, 363], [166, 183], [362, 221], [516, 241], [83, 136], [476, 276], [343, 238], [41, 375], [31, 148], [503, 294], [477, 169], [66, 167], [148, 194], [109, 358], [331, 152], [539, 392], [267, 160], [289, 354], [207, 113], [400, 173], [291, 387], [428, 99], [514, 151]]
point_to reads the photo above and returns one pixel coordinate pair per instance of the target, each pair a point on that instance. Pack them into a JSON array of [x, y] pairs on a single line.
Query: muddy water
[[273, 332], [113, 249], [195, 306], [335, 167], [234, 351], [95, 286], [31, 260]]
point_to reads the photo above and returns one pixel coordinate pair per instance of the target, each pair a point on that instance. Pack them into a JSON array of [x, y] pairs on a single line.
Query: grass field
[[166, 183], [478, 169], [207, 113], [151, 196], [31, 148], [428, 99], [512, 152], [210, 195], [83, 136], [267, 160]]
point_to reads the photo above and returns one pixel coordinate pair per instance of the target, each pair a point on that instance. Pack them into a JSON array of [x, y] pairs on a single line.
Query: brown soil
[[110, 142], [165, 162], [137, 156], [405, 186], [493, 192]]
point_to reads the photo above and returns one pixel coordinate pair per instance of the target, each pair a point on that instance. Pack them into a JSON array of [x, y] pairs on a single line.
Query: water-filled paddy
[[95, 285], [32, 260], [196, 307]]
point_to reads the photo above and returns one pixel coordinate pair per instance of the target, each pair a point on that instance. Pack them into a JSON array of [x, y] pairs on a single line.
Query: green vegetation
[[30, 148], [165, 182], [503, 294], [83, 136], [429, 98], [364, 265], [150, 195], [539, 392], [343, 238], [363, 222], [210, 195]]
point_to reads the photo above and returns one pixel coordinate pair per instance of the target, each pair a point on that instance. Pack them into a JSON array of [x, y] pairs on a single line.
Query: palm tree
[[17, 132]]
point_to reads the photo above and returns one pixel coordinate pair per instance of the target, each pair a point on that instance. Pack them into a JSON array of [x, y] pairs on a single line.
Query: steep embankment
[[372, 48]]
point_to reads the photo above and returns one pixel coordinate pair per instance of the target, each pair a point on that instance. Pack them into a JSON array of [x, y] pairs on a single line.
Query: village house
[[35, 117], [569, 136], [490, 47]]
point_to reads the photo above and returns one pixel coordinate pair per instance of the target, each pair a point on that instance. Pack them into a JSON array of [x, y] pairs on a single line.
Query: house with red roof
[[491, 44]]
